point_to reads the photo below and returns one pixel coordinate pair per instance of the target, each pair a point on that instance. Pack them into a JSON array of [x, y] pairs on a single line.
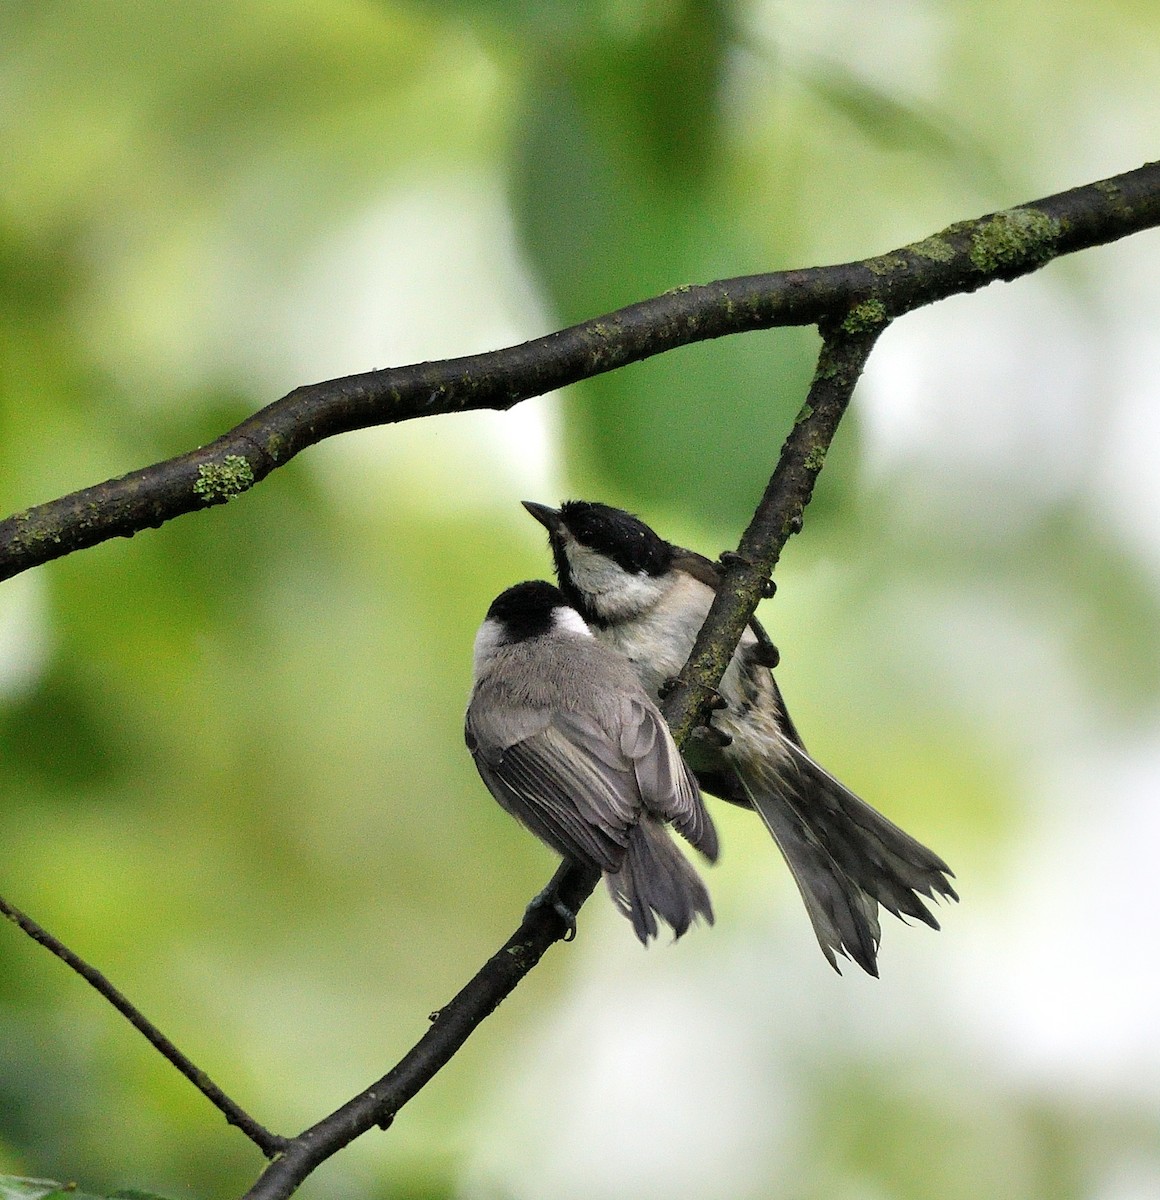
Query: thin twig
[[269, 1143], [959, 259], [450, 1028]]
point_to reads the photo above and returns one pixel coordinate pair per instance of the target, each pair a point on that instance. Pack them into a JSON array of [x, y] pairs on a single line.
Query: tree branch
[[269, 1143], [745, 575], [450, 1028], [960, 259]]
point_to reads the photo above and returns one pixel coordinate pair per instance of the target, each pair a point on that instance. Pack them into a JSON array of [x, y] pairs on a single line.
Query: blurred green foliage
[[13, 1188], [622, 156], [231, 769]]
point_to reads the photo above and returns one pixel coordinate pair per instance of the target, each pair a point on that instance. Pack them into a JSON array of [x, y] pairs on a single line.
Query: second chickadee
[[647, 599], [567, 741]]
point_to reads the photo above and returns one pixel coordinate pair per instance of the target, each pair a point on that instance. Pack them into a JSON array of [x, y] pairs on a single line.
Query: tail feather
[[845, 857], [656, 880]]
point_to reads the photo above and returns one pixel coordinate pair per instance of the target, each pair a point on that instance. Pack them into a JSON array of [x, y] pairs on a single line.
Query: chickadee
[[567, 741], [647, 599]]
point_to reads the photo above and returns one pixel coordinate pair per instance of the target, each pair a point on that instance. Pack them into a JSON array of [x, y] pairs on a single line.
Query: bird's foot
[[764, 652], [712, 736], [550, 898]]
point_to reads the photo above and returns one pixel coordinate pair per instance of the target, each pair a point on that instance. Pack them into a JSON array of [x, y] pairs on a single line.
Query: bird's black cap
[[525, 609], [616, 534]]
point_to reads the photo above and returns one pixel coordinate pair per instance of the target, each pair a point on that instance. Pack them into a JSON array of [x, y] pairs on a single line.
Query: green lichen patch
[[935, 248], [864, 317], [1114, 195], [1016, 238], [34, 533], [884, 264], [218, 482], [815, 458]]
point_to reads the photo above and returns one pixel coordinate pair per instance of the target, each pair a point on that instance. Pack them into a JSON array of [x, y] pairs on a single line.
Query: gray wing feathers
[[635, 742], [568, 798], [667, 786], [556, 801], [599, 790]]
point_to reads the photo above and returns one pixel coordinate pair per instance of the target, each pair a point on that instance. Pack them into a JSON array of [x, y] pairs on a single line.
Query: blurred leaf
[[34, 280], [661, 431], [1111, 604], [13, 1188], [884, 118], [59, 734], [602, 229], [988, 1146], [615, 150], [1078, 581], [622, 193]]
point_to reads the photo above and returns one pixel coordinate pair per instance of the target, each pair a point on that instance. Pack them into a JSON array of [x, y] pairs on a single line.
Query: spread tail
[[656, 880], [846, 858]]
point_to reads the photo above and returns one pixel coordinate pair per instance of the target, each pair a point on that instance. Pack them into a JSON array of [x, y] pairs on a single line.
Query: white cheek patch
[[611, 591], [566, 619], [487, 641]]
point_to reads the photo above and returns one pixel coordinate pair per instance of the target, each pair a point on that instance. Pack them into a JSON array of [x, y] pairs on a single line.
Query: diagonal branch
[[269, 1143], [961, 258], [450, 1028], [844, 353], [746, 574]]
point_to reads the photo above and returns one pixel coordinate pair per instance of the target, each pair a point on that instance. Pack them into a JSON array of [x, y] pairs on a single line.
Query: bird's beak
[[548, 517]]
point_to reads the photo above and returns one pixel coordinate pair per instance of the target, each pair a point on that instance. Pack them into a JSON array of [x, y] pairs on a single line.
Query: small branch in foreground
[[450, 1028], [269, 1143]]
